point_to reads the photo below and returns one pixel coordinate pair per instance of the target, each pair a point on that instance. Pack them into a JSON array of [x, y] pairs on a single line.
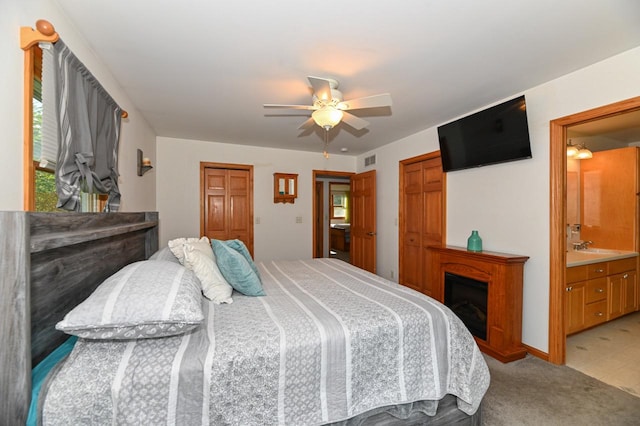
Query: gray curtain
[[89, 131]]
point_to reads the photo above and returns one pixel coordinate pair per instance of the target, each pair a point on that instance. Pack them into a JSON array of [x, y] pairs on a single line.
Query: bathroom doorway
[[560, 129]]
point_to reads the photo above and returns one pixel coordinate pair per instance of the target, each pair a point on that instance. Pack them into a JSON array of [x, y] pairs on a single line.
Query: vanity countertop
[[580, 257]]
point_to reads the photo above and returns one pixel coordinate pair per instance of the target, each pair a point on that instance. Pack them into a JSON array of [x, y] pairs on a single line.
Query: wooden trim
[[557, 216], [44, 32], [28, 176], [536, 352]]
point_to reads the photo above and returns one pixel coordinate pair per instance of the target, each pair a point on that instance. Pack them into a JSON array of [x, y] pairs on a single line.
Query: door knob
[[371, 234]]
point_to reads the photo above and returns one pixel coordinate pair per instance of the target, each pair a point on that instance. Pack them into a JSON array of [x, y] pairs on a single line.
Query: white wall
[[508, 203], [277, 236], [138, 193]]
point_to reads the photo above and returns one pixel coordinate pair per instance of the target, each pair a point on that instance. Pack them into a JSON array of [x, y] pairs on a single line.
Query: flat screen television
[[494, 135]]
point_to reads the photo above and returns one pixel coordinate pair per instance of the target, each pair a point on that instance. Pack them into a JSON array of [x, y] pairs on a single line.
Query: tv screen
[[494, 135]]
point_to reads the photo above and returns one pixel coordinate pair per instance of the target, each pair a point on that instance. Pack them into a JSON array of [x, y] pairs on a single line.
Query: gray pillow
[[164, 253], [145, 299]]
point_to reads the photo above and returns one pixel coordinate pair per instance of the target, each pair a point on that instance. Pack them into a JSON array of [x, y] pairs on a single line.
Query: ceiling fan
[[329, 108]]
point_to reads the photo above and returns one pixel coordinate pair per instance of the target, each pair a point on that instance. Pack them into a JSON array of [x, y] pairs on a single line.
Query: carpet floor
[[531, 391]]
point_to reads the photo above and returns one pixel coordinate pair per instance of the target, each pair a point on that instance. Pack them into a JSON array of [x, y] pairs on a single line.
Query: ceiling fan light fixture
[[327, 117]]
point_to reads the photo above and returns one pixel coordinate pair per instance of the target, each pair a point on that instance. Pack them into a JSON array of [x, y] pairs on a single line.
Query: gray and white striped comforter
[[328, 342]]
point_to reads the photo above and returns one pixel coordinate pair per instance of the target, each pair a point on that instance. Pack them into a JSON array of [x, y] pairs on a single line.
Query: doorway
[[362, 217], [321, 211], [558, 192]]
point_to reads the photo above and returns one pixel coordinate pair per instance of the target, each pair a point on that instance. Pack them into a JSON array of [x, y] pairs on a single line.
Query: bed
[[328, 344]]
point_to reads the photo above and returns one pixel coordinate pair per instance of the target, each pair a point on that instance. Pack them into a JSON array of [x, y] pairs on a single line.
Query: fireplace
[[485, 290], [467, 298]]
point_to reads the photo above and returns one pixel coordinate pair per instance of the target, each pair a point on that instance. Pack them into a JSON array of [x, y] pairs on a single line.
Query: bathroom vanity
[[601, 285]]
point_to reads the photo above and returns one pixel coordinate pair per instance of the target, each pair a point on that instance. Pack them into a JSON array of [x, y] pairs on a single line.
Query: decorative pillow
[[177, 246], [241, 248], [199, 258], [164, 254], [144, 299], [236, 270]]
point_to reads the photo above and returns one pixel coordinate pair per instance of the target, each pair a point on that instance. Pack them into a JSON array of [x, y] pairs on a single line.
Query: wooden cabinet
[[609, 193], [599, 292], [623, 286], [586, 297], [338, 239], [574, 307], [285, 187]]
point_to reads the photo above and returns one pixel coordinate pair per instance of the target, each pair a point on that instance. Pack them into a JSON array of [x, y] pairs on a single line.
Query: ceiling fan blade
[[321, 88], [307, 124], [374, 101], [353, 121], [307, 107]]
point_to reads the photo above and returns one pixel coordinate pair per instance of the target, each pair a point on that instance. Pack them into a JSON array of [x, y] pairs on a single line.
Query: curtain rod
[[44, 32]]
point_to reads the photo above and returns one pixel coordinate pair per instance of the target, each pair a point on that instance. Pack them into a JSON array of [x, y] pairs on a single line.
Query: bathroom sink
[[600, 251]]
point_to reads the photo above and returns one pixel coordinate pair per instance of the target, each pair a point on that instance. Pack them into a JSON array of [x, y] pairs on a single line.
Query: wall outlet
[[298, 219], [392, 274]]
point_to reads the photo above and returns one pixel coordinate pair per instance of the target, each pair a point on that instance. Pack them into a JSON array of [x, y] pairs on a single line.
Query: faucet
[[581, 245]]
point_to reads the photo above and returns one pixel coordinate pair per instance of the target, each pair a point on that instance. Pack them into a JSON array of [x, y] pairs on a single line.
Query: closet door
[[227, 202], [422, 218]]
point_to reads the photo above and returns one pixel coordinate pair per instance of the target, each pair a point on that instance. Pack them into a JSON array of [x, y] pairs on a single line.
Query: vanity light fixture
[[579, 152], [572, 150], [584, 153]]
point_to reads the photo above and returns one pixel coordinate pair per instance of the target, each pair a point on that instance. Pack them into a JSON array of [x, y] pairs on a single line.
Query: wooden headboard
[[50, 262]]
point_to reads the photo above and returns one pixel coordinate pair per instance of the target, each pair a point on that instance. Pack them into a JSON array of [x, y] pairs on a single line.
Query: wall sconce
[[144, 164]]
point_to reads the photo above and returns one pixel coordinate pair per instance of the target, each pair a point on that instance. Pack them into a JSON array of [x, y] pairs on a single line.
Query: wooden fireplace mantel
[[504, 275]]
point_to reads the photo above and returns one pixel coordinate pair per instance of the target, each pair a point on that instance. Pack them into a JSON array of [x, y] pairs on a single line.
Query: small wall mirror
[[285, 187]]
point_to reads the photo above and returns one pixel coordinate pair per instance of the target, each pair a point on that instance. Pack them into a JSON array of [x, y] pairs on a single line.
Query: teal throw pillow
[[236, 269], [241, 248]]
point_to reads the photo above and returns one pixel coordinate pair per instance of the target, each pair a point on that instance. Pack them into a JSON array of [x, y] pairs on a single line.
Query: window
[[339, 195], [42, 196], [39, 182]]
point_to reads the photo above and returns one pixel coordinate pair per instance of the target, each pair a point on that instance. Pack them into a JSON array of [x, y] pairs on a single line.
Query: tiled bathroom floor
[[610, 353]]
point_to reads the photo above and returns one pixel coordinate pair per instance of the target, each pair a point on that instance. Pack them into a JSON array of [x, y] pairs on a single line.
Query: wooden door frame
[[401, 215], [227, 166], [315, 175], [558, 213], [318, 202]]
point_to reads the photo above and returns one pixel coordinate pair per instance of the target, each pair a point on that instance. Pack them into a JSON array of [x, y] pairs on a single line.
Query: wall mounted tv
[[494, 135]]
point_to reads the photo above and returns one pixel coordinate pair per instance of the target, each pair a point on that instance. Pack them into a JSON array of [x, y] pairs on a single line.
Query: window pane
[[37, 128], [46, 197]]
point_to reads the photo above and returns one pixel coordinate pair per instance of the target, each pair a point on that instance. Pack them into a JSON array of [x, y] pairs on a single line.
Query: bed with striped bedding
[[328, 342]]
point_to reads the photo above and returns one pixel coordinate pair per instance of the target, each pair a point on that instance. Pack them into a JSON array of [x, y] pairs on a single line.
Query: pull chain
[[326, 144]]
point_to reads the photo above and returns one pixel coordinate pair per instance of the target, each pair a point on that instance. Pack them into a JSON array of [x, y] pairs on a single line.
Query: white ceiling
[[202, 69]]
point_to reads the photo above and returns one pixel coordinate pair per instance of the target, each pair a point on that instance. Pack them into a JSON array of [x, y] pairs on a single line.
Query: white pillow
[[199, 257], [177, 246]]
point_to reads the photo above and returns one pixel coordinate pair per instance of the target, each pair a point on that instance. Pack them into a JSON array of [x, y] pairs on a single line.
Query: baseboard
[[536, 352]]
